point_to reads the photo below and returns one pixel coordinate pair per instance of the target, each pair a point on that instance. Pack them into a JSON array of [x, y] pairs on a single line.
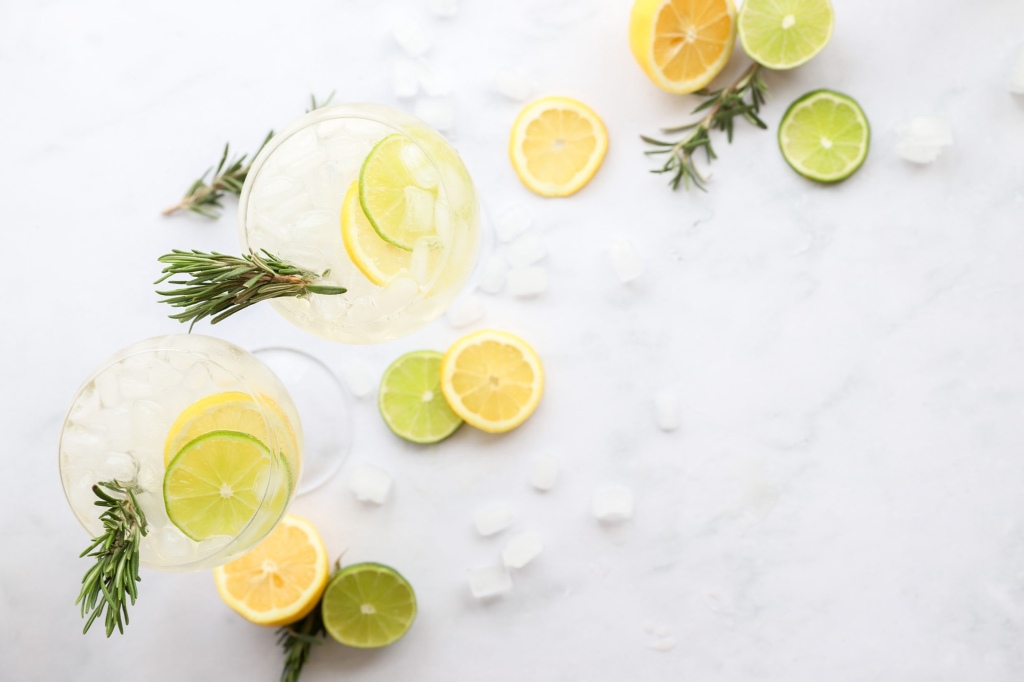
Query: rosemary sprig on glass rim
[[741, 99], [297, 640], [218, 286], [111, 582]]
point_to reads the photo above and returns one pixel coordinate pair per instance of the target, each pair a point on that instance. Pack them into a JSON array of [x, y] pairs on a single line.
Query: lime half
[[824, 136], [783, 34], [368, 606], [216, 484], [411, 400], [399, 210]]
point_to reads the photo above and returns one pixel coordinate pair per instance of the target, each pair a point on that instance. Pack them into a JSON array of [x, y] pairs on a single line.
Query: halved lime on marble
[[400, 210], [825, 136], [783, 34], [411, 400], [368, 606], [216, 484]]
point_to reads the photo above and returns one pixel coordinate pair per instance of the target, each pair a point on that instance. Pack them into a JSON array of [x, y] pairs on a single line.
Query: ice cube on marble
[[438, 112], [922, 139], [419, 209], [545, 471], [526, 250], [434, 83], [612, 504], [1016, 83], [526, 282], [492, 275], [489, 582], [405, 80], [410, 36], [419, 166], [662, 644], [493, 518], [666, 409], [512, 222], [359, 378], [625, 261], [522, 548], [369, 483], [465, 311], [444, 8], [513, 84]]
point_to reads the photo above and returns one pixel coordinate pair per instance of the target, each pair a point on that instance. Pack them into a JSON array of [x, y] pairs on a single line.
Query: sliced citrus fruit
[[682, 44], [783, 34], [379, 260], [492, 379], [235, 411], [280, 580], [557, 145], [218, 483], [399, 210], [825, 136], [368, 606], [411, 400]]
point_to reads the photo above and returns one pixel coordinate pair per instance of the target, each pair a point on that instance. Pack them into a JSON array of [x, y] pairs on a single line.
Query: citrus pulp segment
[[411, 401], [280, 580], [783, 34], [368, 606], [825, 136]]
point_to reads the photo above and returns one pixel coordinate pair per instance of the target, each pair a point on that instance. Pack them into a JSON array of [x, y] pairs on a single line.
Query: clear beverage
[[292, 206], [148, 403]]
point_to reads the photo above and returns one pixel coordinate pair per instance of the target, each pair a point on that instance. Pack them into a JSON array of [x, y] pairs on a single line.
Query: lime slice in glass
[[399, 210], [216, 483], [824, 136], [368, 606], [378, 260], [412, 402], [783, 34]]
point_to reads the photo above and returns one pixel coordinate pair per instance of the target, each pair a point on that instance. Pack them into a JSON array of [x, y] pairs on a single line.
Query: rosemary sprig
[[218, 286], [297, 640], [111, 581], [743, 98], [314, 105]]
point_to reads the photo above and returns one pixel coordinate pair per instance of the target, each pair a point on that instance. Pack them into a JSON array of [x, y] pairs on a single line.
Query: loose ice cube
[[466, 311], [118, 466], [493, 519], [612, 504], [492, 275], [527, 281], [512, 223], [921, 139], [405, 80], [410, 36], [444, 8], [666, 409], [439, 113], [522, 548], [423, 258], [1017, 74], [419, 210], [526, 250], [433, 83], [488, 582], [513, 84], [419, 166], [544, 473], [358, 377], [369, 484], [665, 644], [626, 263]]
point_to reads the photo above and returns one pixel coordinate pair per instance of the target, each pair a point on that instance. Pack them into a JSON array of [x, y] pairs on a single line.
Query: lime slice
[[824, 136], [215, 485], [375, 258], [411, 400], [399, 210], [368, 606], [782, 34]]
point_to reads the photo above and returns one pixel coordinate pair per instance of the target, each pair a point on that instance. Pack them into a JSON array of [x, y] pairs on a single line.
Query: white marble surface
[[845, 497]]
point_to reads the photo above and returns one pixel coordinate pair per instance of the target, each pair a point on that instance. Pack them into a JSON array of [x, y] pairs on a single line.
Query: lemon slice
[[783, 34], [492, 379], [399, 210], [281, 579], [557, 146], [682, 44], [825, 136], [217, 484], [368, 606], [378, 260], [411, 401]]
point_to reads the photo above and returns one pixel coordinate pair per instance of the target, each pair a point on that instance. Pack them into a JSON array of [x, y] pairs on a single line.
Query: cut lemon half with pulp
[[825, 136], [220, 481], [492, 379], [377, 259], [398, 209], [783, 34], [411, 401], [368, 606], [682, 44], [557, 145], [280, 580]]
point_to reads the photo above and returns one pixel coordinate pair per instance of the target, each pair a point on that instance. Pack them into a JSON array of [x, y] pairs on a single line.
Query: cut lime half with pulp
[[368, 606], [216, 484], [825, 136], [399, 210], [783, 34], [411, 400]]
